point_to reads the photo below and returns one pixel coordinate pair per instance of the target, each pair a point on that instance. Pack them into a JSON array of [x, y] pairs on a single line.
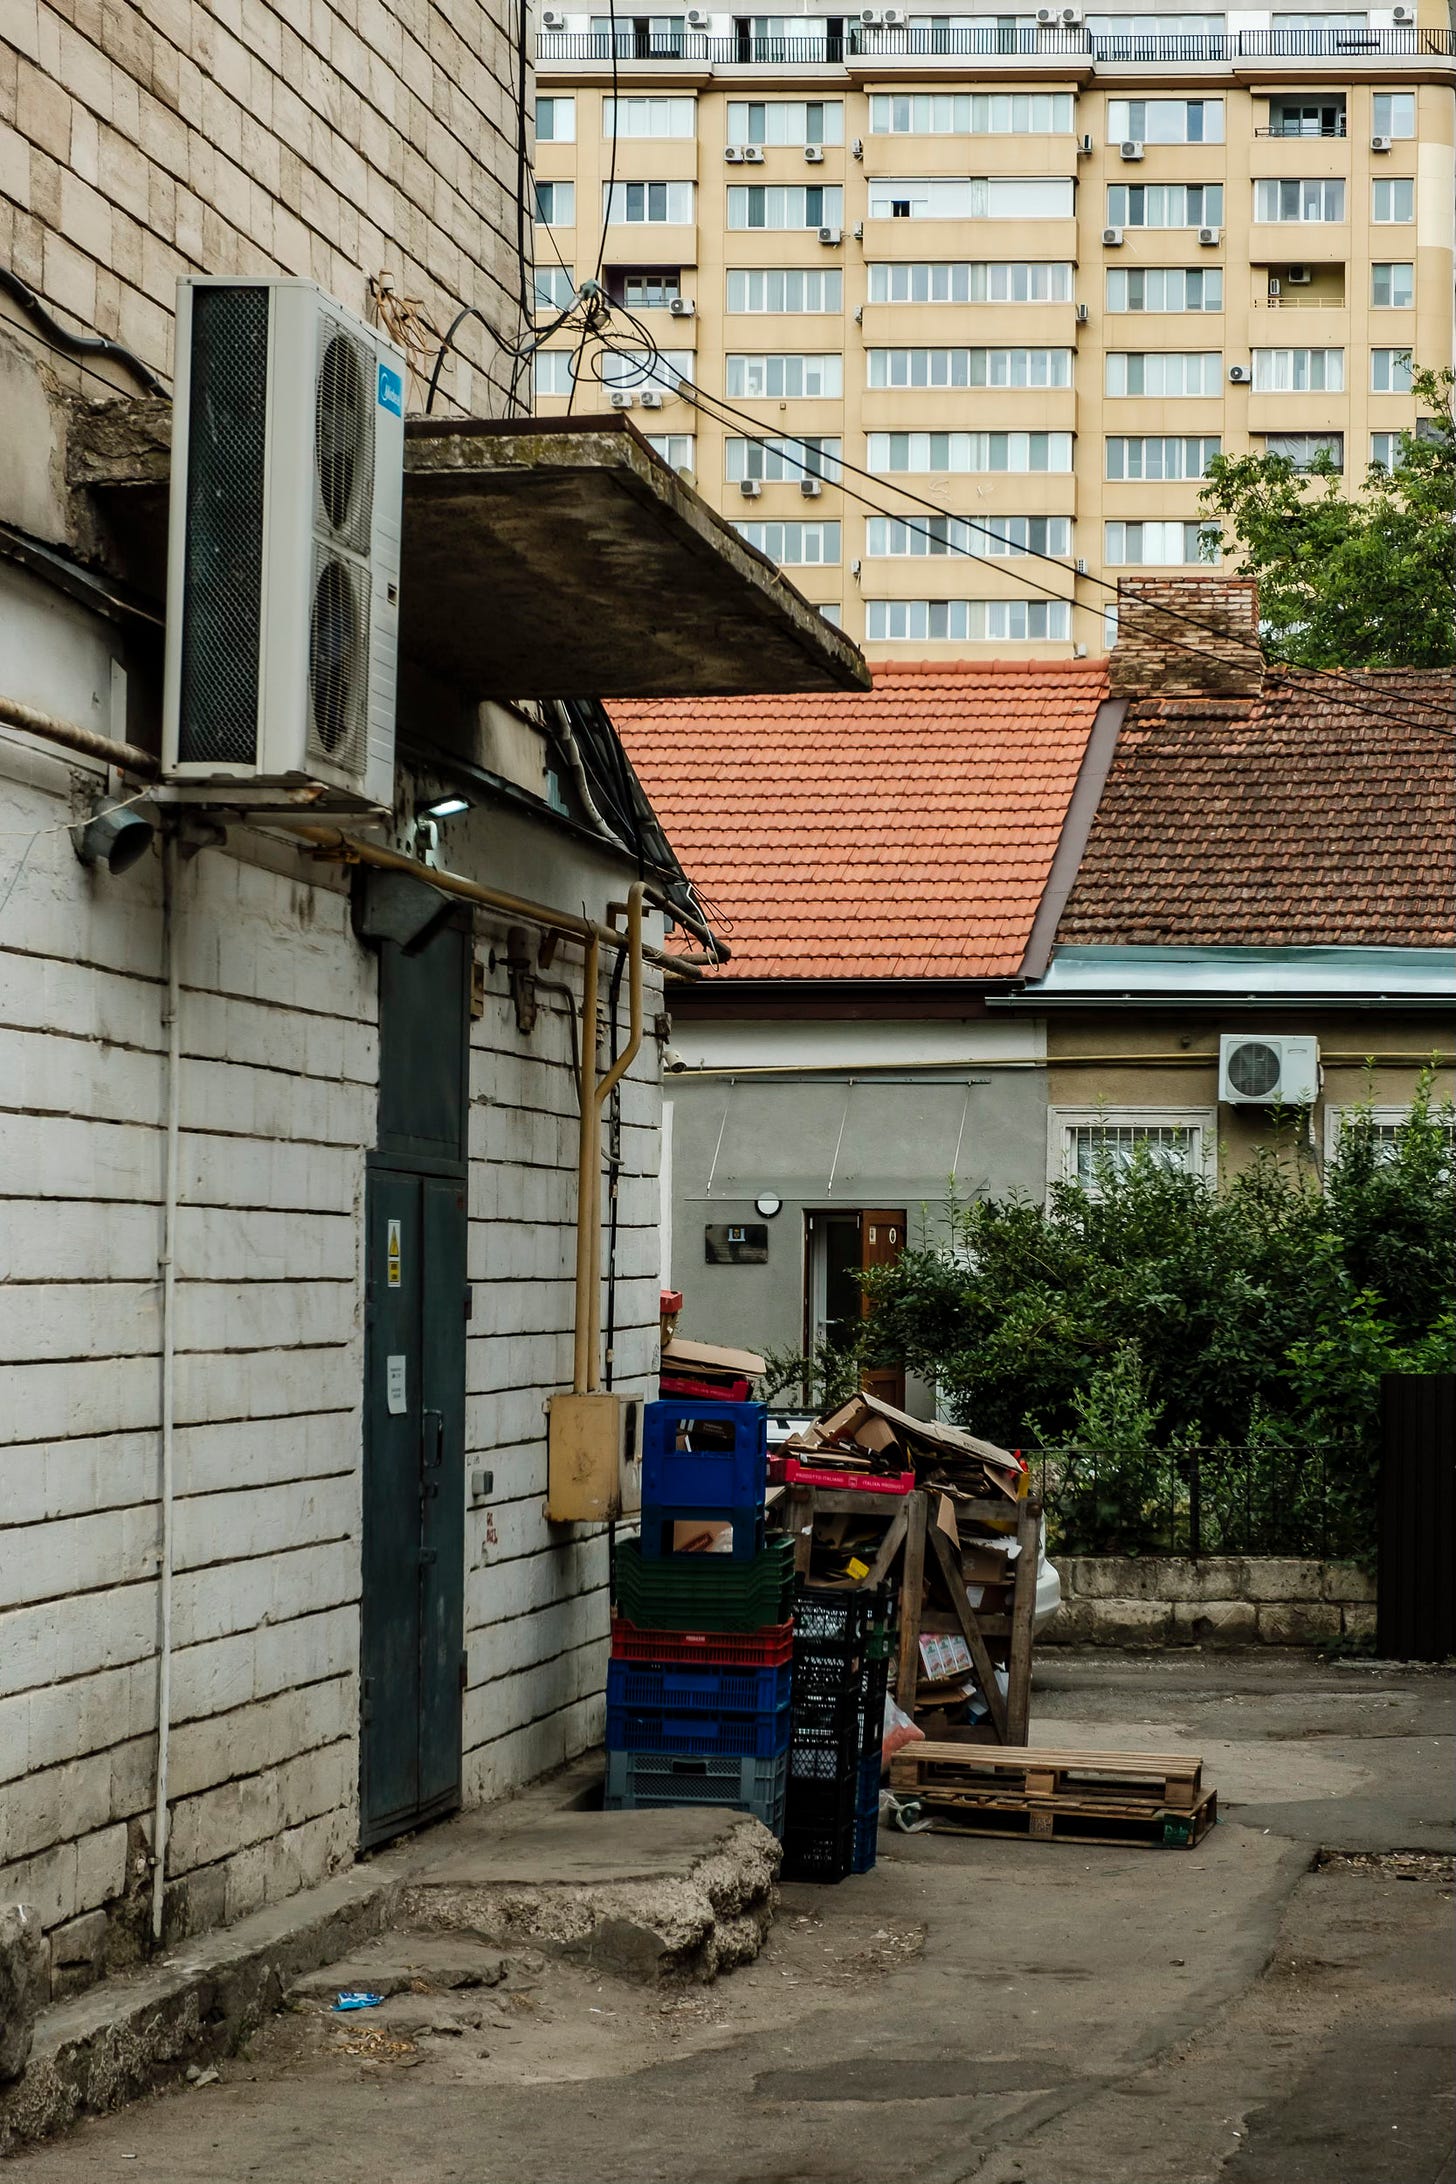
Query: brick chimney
[[1159, 653]]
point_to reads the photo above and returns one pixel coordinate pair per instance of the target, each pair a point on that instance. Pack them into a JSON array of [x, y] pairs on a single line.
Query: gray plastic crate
[[637, 1780]]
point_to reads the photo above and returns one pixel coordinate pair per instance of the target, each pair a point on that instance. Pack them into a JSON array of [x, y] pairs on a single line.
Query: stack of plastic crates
[[842, 1644], [698, 1687]]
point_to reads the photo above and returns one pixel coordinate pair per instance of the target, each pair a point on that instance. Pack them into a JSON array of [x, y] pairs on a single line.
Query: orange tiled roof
[[902, 832]]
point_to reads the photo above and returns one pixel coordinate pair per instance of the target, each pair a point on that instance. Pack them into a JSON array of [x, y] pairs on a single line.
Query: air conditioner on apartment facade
[[283, 561], [1255, 1070]]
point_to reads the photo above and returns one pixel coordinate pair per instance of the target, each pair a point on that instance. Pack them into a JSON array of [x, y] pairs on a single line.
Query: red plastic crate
[[789, 1471], [712, 1391], [766, 1648]]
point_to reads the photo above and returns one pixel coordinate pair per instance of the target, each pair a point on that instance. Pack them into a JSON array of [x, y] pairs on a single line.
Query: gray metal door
[[412, 1609]]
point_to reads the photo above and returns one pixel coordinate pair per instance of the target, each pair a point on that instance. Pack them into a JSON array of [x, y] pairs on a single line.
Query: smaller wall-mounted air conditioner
[[1256, 1070], [681, 306], [753, 155], [698, 19], [811, 488], [1210, 236], [1081, 314], [1381, 143], [652, 398], [1112, 238], [814, 153], [857, 148], [620, 398], [1085, 146], [1299, 276], [750, 488], [1131, 149], [1239, 374], [832, 236], [552, 19], [733, 153]]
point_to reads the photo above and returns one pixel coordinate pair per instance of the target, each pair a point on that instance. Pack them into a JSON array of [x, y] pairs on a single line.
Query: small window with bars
[[1087, 1146]]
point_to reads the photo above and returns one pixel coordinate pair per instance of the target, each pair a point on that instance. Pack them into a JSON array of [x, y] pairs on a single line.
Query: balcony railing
[[1309, 129], [1026, 41]]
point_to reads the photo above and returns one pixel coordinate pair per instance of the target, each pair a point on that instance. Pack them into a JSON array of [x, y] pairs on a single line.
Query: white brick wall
[[279, 1038], [141, 142]]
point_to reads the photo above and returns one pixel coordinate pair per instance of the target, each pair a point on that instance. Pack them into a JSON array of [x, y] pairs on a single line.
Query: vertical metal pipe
[[602, 1094], [587, 1164], [168, 1344]]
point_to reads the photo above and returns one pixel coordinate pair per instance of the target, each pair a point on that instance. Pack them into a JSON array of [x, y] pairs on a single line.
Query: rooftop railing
[[1029, 42]]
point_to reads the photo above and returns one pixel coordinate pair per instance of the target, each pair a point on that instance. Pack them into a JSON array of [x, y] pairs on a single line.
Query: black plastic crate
[[822, 1666], [819, 1854]]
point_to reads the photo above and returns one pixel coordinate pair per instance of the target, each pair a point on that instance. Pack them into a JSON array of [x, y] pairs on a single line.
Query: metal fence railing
[[1315, 1499], [1022, 41]]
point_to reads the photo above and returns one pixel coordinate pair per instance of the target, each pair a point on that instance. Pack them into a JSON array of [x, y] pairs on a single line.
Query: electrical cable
[[644, 370], [74, 348]]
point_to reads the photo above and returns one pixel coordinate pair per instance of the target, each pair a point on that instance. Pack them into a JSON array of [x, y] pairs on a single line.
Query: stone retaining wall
[[1121, 1600]]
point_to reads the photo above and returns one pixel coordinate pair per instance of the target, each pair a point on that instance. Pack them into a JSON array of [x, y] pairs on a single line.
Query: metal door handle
[[435, 1462]]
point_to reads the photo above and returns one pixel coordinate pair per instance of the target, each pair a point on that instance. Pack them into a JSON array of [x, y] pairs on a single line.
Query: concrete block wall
[[142, 142], [1220, 1600], [536, 1611]]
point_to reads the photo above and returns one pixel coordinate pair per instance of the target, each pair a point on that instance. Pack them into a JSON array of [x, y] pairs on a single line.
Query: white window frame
[[621, 114], [615, 202], [553, 99], [830, 280], [545, 278], [663, 443], [1392, 266], [982, 276], [1061, 1121], [790, 121], [562, 193], [1384, 1118], [1397, 359], [1390, 183], [1155, 113]]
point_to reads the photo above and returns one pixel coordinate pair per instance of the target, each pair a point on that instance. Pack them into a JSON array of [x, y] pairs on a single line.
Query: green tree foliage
[[1351, 579], [1154, 1312]]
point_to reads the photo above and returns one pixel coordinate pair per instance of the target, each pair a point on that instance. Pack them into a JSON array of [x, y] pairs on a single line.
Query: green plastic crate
[[705, 1592]]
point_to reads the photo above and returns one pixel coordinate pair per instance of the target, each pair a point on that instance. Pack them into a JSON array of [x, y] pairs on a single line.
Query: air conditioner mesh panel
[[343, 438], [338, 661], [223, 589], [1253, 1069]]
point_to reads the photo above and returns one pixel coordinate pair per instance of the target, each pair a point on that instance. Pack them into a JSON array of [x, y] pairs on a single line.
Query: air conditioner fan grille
[[1254, 1069]]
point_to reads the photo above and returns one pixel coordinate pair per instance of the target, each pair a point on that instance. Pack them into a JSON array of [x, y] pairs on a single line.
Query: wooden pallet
[[1125, 1781], [1061, 1820]]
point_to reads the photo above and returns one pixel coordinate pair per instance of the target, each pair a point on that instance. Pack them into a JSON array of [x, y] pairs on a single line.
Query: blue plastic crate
[[637, 1781], [706, 1689], [712, 1481], [656, 1729], [657, 1521], [868, 1795]]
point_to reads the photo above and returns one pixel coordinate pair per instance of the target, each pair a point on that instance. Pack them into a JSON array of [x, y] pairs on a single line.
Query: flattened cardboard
[[681, 1352]]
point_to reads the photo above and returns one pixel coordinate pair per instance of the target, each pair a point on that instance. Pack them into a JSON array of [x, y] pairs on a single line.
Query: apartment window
[[772, 205], [556, 121], [1165, 121], [785, 121], [783, 461], [970, 367], [650, 288], [1165, 204], [555, 287], [1304, 449], [969, 452], [1332, 21], [1387, 449], [932, 198], [1085, 1144], [993, 282], [971, 113], [1386, 1125], [639, 37], [1306, 202], [1307, 117], [1155, 459], [556, 204], [1393, 113], [967, 621], [648, 204], [832, 613], [551, 371], [1392, 287], [1165, 372], [1143, 30], [794, 545], [637, 368], [789, 289], [990, 538], [1390, 371], [648, 117], [1394, 202], [1299, 371], [1160, 545], [674, 447], [785, 378], [1165, 288]]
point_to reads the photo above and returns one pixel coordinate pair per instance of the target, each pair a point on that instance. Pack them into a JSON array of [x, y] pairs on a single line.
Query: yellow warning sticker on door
[[394, 1255]]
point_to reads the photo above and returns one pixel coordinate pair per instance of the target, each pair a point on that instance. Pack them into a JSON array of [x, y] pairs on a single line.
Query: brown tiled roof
[[1295, 819], [906, 831]]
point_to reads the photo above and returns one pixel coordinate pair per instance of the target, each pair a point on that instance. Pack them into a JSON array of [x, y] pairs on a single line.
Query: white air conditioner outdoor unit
[[1085, 145], [811, 488], [814, 153], [856, 149], [1402, 15], [681, 306], [753, 155], [893, 16], [750, 488], [1131, 149], [1080, 565], [1081, 314], [1210, 237], [1071, 18], [1299, 276], [620, 398], [1112, 238], [698, 19], [1381, 143], [1046, 17], [1255, 1070], [733, 153], [1275, 291], [284, 543], [652, 398], [1239, 374], [858, 231], [831, 235], [859, 314], [871, 18], [552, 19]]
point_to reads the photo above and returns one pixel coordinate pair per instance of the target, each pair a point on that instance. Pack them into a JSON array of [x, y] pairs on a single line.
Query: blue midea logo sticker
[[391, 390]]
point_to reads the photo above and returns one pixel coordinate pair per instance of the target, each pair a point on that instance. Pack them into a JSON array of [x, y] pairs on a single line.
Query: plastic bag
[[900, 1730]]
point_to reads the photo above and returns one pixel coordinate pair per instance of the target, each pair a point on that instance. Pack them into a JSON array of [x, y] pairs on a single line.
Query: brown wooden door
[[881, 1241]]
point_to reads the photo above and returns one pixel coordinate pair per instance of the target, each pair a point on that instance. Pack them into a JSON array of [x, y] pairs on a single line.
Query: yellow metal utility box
[[594, 1458]]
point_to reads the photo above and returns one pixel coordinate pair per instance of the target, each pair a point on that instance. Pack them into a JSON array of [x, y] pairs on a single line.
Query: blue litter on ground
[[356, 1998]]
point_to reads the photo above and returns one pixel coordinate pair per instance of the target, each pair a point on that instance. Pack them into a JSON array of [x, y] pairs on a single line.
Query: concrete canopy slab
[[564, 557]]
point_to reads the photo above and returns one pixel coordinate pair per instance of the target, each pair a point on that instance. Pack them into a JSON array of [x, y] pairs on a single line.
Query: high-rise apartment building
[[1033, 270]]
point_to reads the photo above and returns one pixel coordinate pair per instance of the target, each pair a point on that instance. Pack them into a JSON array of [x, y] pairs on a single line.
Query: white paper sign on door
[[394, 1385]]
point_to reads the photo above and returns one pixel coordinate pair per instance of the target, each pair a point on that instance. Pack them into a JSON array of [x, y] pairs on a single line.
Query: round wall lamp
[[768, 1207]]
